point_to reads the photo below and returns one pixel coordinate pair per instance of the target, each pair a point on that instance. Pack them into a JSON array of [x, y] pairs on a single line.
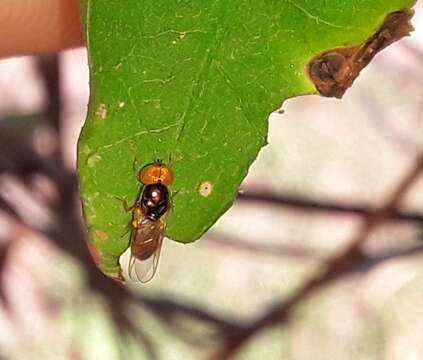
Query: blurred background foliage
[[350, 153]]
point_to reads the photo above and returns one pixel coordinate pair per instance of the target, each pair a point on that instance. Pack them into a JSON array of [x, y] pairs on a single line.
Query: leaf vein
[[316, 18], [138, 134]]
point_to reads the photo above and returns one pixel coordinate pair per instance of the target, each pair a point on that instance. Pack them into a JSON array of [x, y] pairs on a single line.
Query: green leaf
[[192, 83]]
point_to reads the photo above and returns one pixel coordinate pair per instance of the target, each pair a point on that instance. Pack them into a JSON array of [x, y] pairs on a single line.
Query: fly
[[149, 221]]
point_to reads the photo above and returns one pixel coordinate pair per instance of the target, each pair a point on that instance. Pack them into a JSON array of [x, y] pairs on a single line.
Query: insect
[[148, 221]]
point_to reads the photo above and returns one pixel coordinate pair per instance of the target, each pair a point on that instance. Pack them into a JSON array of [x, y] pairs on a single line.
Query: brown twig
[[285, 250], [367, 262], [295, 251], [174, 314], [288, 200], [19, 158], [49, 68], [334, 268]]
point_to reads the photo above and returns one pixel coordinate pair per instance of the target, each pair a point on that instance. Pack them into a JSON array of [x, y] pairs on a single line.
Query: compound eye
[[148, 174], [155, 173], [166, 175]]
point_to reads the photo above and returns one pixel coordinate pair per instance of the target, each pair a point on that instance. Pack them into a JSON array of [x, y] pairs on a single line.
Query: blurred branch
[[296, 251], [68, 232], [20, 161], [333, 269], [302, 252], [49, 68], [287, 200], [366, 262], [50, 135], [8, 209], [172, 312], [19, 158]]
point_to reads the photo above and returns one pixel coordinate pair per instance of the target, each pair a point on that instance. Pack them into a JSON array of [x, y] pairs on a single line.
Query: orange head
[[156, 173]]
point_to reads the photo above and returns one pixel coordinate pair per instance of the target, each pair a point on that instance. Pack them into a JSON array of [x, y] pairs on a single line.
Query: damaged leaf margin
[[334, 71]]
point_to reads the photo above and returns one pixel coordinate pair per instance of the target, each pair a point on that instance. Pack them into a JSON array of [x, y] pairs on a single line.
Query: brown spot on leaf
[[334, 71], [101, 235], [101, 111]]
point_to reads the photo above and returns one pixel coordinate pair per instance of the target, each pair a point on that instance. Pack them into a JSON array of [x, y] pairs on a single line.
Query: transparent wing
[[145, 270], [141, 270], [131, 268], [146, 246]]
